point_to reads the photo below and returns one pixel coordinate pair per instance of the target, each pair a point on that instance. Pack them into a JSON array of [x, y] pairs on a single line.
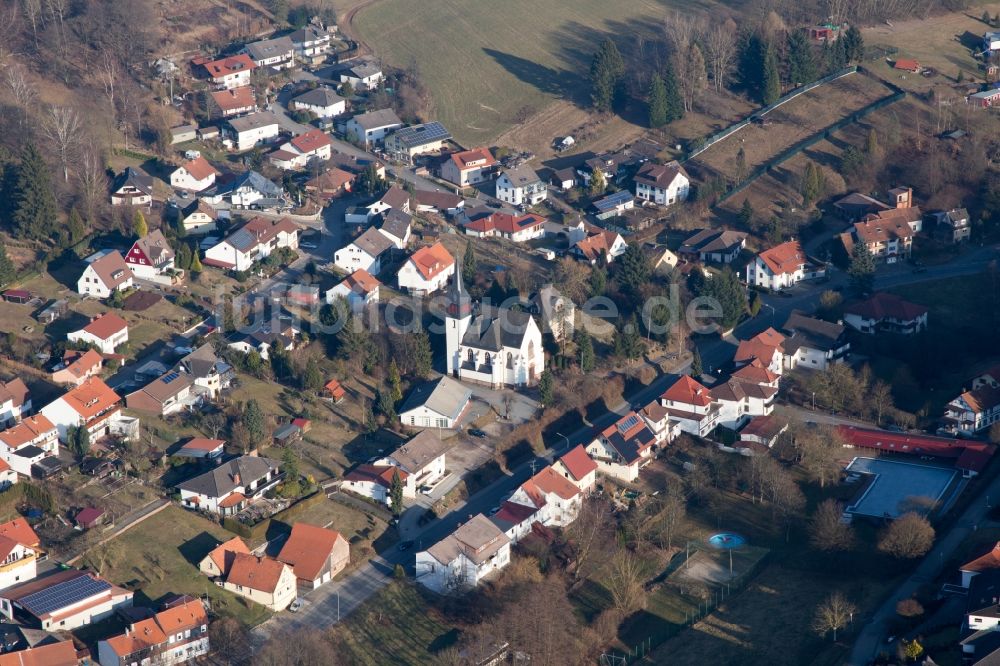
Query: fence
[[732, 129]]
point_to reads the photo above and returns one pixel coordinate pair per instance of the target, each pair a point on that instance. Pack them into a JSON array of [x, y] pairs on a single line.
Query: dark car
[[476, 432], [405, 545]]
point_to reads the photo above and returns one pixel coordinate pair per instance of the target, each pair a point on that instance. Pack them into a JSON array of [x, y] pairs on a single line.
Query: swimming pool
[[897, 486]]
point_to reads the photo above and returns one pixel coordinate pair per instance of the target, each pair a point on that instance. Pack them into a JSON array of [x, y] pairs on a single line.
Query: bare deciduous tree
[[880, 398], [720, 52], [93, 182], [827, 530], [833, 614], [590, 534], [907, 537], [61, 126], [625, 582], [21, 90], [819, 452], [672, 514]]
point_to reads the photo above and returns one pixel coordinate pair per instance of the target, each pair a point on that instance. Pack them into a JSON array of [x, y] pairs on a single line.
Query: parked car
[[476, 432], [405, 545], [295, 605]]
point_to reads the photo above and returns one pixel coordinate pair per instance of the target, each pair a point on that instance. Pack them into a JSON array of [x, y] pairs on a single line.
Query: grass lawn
[[160, 556], [396, 626]]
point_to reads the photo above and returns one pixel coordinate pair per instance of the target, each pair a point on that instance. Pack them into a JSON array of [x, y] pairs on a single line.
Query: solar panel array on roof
[[628, 423], [420, 134], [171, 377], [64, 594], [613, 200]]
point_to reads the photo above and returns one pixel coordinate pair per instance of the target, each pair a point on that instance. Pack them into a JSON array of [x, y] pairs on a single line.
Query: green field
[[488, 65]]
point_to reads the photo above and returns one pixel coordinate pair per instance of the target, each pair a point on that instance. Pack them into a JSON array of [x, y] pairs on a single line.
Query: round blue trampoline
[[726, 541]]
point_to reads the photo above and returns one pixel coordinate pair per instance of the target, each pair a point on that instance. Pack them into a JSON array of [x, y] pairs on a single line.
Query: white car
[[295, 605]]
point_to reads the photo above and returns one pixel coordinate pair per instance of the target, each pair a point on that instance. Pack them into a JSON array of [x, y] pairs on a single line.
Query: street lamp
[[814, 400], [565, 438]]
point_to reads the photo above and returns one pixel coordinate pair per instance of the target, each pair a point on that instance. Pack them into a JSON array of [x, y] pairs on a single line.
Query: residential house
[[977, 408], [421, 459], [515, 227], [322, 102], [231, 102], [151, 256], [720, 246], [435, 404], [76, 366], [336, 391], [613, 205], [468, 167], [520, 186], [91, 405], [201, 448], [579, 468], [132, 187], [408, 142], [599, 243], [741, 398], [169, 394], [985, 99], [765, 349], [359, 288], [558, 312], [303, 150], [232, 486], [63, 601], [106, 332], [813, 343], [19, 552], [15, 401], [362, 74], [397, 227], [372, 127], [278, 53], [316, 554], [438, 202], [220, 559], [563, 179], [887, 240], [251, 130], [427, 270], [855, 206], [555, 499], [952, 226], [248, 189], [611, 165], [60, 653], [253, 242], [311, 44], [762, 430], [231, 72], [783, 266], [263, 580], [516, 520], [981, 620], [475, 550], [198, 218], [493, 346], [623, 448], [28, 443], [692, 406], [662, 184], [364, 253], [267, 335], [372, 481], [988, 561], [175, 635], [657, 418], [195, 175], [330, 184], [208, 371], [395, 198], [885, 312]]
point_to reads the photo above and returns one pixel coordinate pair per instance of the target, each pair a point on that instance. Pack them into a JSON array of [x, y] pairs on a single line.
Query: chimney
[[236, 478], [904, 199]]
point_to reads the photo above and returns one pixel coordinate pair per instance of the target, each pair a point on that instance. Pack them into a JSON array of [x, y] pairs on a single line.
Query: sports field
[[490, 65]]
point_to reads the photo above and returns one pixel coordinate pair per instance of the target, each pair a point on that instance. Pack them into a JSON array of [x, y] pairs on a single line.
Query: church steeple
[[459, 302]]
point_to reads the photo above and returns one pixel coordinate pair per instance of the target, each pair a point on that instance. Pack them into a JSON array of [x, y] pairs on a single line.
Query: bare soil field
[[790, 123]]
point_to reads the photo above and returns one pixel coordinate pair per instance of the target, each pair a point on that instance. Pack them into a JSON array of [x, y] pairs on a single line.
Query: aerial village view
[[465, 333]]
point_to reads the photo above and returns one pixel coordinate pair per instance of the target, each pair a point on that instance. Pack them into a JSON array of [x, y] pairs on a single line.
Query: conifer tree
[[606, 73], [34, 200]]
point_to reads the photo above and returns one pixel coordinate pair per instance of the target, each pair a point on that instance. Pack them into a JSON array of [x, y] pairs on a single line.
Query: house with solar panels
[[406, 143], [169, 394], [613, 205], [253, 242], [63, 601], [623, 448]]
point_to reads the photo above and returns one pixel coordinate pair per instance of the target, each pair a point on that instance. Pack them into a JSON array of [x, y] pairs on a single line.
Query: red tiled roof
[[20, 531], [514, 513], [986, 561], [27, 430], [203, 444], [969, 455], [106, 326], [81, 364], [907, 64], [785, 258], [766, 426], [464, 159], [223, 554], [597, 242], [232, 500], [762, 346], [380, 474], [884, 305], [257, 573], [506, 223], [335, 389], [91, 397], [689, 392], [432, 260], [307, 549], [311, 141], [577, 462], [232, 100], [231, 65], [362, 282], [756, 373], [199, 168], [53, 654]]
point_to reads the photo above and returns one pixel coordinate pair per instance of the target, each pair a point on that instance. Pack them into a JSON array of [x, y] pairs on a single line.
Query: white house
[[175, 635], [623, 448], [520, 186], [782, 266], [493, 346], [63, 601], [151, 256], [691, 406], [231, 72], [303, 150], [717, 245], [232, 486], [278, 53], [427, 270], [249, 131], [106, 332], [885, 312], [359, 288], [977, 408], [363, 73], [323, 102], [263, 580], [468, 167], [20, 549], [579, 468], [813, 343], [198, 217], [663, 184], [311, 43], [514, 227], [372, 481], [422, 459], [372, 127], [435, 404], [397, 226], [252, 242], [364, 253], [598, 244], [91, 405], [408, 142], [765, 349], [316, 554], [105, 274], [458, 562], [741, 398], [25, 444], [231, 102], [555, 498], [195, 175], [133, 187], [246, 190]]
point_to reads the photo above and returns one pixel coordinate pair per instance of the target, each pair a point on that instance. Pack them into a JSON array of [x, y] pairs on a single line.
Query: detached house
[[662, 184], [263, 580], [468, 167], [623, 448], [765, 349], [408, 142], [232, 486], [248, 189], [76, 366], [579, 468], [316, 554], [232, 102], [311, 43], [422, 460], [106, 332], [372, 481], [194, 175], [198, 218], [231, 72], [977, 408], [166, 395], [151, 256], [435, 404], [885, 312], [782, 266], [362, 73], [889, 233], [175, 635], [359, 288], [63, 601], [104, 275], [813, 343], [19, 553], [741, 398], [322, 102], [29, 442], [303, 150], [372, 127], [514, 227], [600, 245], [397, 227], [133, 187], [715, 245], [330, 184], [427, 270], [278, 53], [248, 131], [252, 242], [520, 186], [952, 226], [364, 253], [555, 499], [15, 401], [91, 405], [210, 373], [458, 562], [692, 406]]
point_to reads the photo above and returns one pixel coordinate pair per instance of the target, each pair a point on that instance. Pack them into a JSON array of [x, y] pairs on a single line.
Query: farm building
[[984, 99], [907, 65]]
